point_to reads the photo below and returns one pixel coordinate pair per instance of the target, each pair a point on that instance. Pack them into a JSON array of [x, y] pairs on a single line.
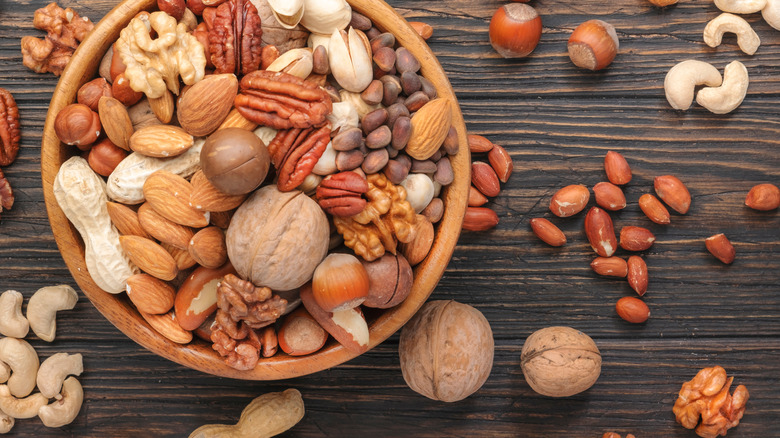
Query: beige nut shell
[[277, 239]]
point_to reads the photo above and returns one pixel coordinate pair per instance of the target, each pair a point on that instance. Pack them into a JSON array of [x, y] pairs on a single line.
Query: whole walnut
[[276, 239], [446, 351], [560, 361]]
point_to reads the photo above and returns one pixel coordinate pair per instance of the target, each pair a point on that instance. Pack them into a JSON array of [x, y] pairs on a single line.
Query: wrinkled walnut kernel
[[65, 29], [707, 396], [243, 301]]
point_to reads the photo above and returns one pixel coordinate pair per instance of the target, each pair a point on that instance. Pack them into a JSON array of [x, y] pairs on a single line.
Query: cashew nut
[[43, 306], [727, 97], [64, 410], [20, 408], [55, 369], [6, 423], [684, 77], [747, 38], [21, 357], [5, 372], [771, 13], [12, 322], [740, 6]]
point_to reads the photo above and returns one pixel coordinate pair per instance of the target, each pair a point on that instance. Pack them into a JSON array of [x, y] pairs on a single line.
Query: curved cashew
[[64, 410], [20, 408], [771, 13], [12, 322], [5, 372], [740, 6], [747, 38], [43, 306], [684, 77], [53, 371], [727, 97], [6, 422], [21, 357]]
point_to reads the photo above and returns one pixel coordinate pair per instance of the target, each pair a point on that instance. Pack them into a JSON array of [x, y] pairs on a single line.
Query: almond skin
[[485, 179], [150, 294], [166, 325], [636, 238], [169, 195], [207, 103], [430, 125], [610, 266], [632, 310], [162, 229], [116, 121], [125, 220], [673, 192], [479, 219], [763, 197], [617, 168], [600, 232], [208, 247], [149, 257], [161, 141], [654, 210], [206, 197], [719, 246], [547, 232], [569, 200], [609, 196], [637, 274]]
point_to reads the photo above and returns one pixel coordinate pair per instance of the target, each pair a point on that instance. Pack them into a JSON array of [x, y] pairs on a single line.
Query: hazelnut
[[90, 93], [77, 125], [104, 156], [122, 92], [515, 30], [235, 160], [593, 45], [389, 281], [117, 66], [174, 8], [340, 282]]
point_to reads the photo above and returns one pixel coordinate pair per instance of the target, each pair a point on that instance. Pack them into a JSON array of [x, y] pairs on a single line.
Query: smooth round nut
[[632, 310], [593, 45], [104, 156], [515, 30], [78, 125], [90, 93], [390, 280], [235, 160]]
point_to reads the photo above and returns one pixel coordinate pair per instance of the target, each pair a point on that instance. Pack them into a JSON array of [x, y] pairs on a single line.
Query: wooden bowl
[[199, 355]]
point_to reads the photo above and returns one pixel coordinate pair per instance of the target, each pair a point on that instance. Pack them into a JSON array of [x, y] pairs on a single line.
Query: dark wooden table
[[557, 122]]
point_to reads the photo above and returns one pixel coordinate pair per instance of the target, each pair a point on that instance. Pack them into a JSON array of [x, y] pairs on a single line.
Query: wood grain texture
[[557, 122]]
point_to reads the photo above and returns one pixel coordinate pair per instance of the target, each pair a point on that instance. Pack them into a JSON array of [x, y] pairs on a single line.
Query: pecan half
[[235, 37], [6, 194], [282, 101], [340, 194], [9, 128], [295, 152]]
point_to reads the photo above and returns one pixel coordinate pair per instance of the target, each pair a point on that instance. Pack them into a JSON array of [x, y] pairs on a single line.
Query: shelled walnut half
[[707, 396]]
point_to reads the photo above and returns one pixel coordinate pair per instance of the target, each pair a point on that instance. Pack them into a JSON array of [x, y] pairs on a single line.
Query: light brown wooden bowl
[[199, 355]]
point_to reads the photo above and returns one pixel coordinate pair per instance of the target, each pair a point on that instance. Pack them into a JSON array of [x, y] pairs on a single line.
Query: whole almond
[[547, 232], [162, 229], [169, 194], [610, 266], [125, 220], [609, 196], [183, 258], [479, 144], [149, 257], [116, 121], [479, 219], [719, 246], [485, 179], [617, 168], [161, 141], [476, 198], [206, 104], [600, 232], [637, 274], [673, 192], [234, 119], [208, 198], [208, 247], [501, 162], [632, 310], [416, 250], [763, 197], [163, 107], [430, 125], [569, 200], [653, 209], [167, 326], [636, 238], [150, 294]]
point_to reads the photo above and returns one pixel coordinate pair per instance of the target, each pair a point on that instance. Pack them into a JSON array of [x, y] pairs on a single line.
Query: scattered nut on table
[[43, 305], [707, 396]]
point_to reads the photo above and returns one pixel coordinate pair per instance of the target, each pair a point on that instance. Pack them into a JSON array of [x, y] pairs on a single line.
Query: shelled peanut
[[486, 179]]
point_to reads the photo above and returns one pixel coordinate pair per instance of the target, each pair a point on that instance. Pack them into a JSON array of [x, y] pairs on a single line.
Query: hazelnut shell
[[235, 161]]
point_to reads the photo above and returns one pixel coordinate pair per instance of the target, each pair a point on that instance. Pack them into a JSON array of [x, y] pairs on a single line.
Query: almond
[[169, 195], [501, 162], [162, 229], [637, 274], [653, 209], [617, 168], [163, 107], [673, 192], [116, 121], [610, 266], [207, 197], [167, 326], [719, 246], [234, 119], [763, 197], [183, 258], [150, 294], [485, 179], [208, 247], [125, 219], [569, 200], [149, 257], [430, 125], [632, 310], [479, 144], [600, 232], [609, 196], [479, 219], [547, 232], [476, 198], [416, 250], [636, 238], [206, 104], [161, 141]]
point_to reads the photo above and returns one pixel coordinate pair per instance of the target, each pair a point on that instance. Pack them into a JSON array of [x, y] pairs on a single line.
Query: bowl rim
[[118, 310]]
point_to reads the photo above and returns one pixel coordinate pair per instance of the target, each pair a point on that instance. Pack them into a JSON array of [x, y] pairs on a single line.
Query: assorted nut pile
[[281, 175], [59, 399]]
